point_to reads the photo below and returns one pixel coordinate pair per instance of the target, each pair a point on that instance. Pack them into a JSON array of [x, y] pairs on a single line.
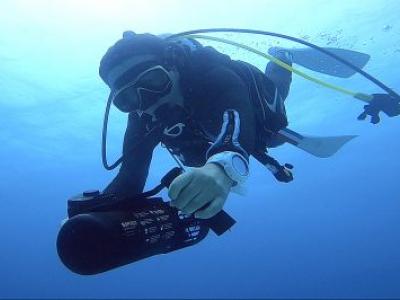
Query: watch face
[[240, 166]]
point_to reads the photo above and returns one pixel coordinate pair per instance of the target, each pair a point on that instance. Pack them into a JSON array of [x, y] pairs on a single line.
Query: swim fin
[[318, 61], [322, 147]]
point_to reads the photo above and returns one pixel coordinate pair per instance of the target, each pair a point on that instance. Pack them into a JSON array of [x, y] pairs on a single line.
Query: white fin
[[322, 147]]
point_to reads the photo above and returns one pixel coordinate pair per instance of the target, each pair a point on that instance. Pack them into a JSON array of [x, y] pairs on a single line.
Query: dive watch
[[234, 165]]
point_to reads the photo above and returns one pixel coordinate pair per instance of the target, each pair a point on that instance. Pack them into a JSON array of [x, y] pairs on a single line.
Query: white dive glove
[[202, 191]]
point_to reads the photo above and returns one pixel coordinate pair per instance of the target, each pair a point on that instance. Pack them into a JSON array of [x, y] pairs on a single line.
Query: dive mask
[[144, 91]]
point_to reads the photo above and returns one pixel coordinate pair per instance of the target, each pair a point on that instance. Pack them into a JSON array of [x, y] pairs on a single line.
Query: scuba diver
[[212, 114], [176, 93]]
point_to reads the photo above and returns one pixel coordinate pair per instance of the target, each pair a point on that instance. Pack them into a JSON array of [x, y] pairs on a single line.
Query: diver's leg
[[281, 77]]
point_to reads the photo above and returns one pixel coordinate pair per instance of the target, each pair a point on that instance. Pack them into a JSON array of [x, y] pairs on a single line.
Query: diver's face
[[148, 84]]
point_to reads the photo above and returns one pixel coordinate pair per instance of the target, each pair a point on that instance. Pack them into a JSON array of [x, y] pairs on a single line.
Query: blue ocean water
[[332, 232]]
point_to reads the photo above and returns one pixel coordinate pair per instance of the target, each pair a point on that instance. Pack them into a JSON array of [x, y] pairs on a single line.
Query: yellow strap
[[359, 96]]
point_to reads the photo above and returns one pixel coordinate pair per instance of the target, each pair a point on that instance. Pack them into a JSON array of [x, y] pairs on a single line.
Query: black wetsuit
[[211, 83]]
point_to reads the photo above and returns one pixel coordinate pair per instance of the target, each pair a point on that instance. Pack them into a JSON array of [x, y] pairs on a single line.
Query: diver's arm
[[231, 95], [204, 190], [134, 170], [227, 152]]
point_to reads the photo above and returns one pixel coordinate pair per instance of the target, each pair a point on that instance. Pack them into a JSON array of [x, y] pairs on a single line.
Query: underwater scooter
[[104, 232]]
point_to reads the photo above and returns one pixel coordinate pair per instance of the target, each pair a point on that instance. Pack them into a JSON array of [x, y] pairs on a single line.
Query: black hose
[[104, 139], [297, 40]]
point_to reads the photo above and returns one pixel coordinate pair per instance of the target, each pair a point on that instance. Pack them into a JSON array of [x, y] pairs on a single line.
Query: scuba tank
[[104, 232]]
